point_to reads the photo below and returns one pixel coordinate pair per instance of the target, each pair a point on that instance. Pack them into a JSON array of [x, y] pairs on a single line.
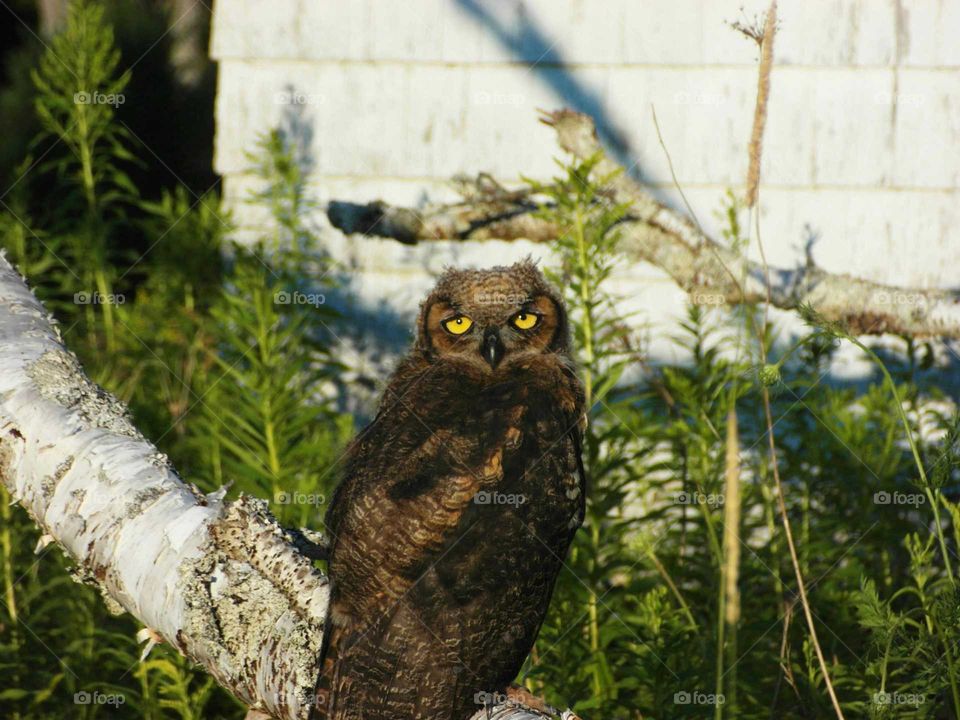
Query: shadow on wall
[[296, 127], [377, 330], [372, 330], [525, 41]]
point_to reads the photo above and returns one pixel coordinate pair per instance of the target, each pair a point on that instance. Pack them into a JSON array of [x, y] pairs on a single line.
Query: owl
[[457, 506]]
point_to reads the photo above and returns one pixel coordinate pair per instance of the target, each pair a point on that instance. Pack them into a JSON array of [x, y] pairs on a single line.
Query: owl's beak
[[492, 347]]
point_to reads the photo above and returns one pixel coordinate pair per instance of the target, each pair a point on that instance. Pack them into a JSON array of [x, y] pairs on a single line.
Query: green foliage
[[586, 629], [227, 377], [637, 626], [172, 689], [78, 90], [256, 429], [272, 354]]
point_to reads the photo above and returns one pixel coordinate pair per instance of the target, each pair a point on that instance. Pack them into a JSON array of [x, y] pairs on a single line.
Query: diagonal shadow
[[526, 41]]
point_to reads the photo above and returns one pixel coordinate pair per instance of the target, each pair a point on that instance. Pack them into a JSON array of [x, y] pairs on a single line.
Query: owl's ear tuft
[[430, 335], [548, 305], [423, 343]]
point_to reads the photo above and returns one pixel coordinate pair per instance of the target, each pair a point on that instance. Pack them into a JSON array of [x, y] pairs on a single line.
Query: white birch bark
[[220, 581]]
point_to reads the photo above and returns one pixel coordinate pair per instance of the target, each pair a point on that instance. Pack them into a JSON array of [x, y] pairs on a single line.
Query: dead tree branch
[[666, 238]]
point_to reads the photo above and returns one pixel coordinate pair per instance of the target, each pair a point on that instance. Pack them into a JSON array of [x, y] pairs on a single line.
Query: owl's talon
[[513, 438], [521, 696], [489, 700]]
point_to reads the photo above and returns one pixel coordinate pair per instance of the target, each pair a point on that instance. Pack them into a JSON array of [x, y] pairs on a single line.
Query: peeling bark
[[219, 580], [666, 238], [216, 580]]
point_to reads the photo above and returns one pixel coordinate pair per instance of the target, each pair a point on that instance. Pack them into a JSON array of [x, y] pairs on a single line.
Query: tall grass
[[680, 598]]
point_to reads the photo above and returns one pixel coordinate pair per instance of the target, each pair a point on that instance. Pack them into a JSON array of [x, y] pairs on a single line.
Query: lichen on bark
[[58, 377]]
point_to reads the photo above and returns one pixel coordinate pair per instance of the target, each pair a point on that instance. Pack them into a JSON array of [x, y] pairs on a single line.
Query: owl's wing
[[576, 437], [397, 666], [397, 510], [413, 472]]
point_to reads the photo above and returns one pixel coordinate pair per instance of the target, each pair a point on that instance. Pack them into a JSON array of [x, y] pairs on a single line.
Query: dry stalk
[[760, 109], [731, 521]]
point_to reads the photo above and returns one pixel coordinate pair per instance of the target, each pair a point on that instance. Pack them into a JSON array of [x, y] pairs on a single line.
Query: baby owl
[[457, 506]]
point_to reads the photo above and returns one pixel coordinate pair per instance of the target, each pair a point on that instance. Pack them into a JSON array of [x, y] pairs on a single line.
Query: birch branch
[[219, 580], [666, 238]]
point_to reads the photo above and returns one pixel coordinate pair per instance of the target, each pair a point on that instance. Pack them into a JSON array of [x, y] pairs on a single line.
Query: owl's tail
[[394, 667], [322, 705], [350, 656]]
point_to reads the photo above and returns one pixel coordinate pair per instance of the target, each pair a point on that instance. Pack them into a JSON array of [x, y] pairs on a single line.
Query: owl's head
[[493, 317]]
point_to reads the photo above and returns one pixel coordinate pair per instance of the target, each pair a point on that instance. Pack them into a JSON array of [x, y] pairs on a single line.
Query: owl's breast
[[515, 532], [497, 576]]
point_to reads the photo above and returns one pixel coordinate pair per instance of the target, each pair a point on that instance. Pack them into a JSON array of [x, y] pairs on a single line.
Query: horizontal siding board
[[390, 99], [653, 32]]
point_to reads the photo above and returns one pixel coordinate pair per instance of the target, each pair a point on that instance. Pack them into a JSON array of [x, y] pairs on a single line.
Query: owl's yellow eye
[[525, 320], [458, 325]]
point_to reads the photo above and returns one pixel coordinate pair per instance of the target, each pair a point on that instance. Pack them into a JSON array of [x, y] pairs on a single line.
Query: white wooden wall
[[391, 98]]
